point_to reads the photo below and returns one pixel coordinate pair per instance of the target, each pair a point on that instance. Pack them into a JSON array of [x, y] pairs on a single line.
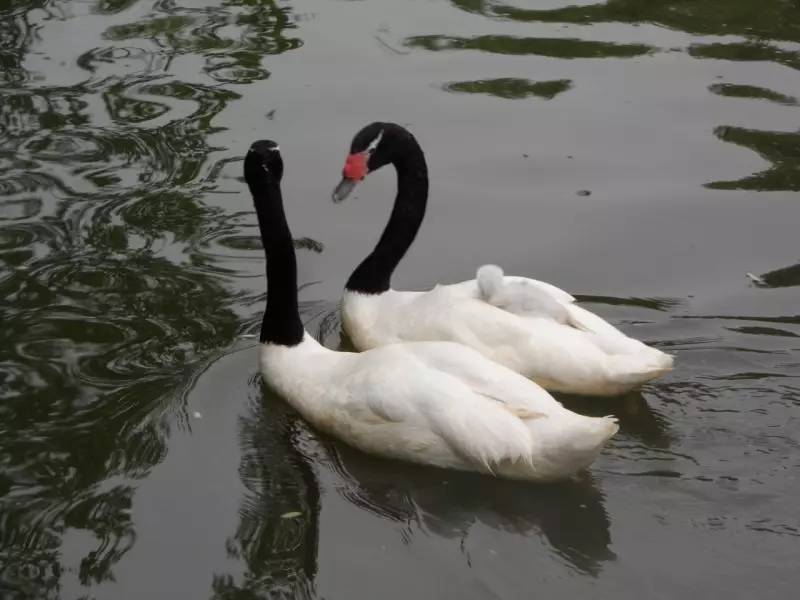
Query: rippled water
[[644, 154]]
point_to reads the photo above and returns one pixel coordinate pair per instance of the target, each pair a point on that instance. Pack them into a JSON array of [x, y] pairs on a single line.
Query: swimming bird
[[530, 326], [434, 403]]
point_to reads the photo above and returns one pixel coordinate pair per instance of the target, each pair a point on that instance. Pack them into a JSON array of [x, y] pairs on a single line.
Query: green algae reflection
[[552, 47], [511, 88], [782, 149]]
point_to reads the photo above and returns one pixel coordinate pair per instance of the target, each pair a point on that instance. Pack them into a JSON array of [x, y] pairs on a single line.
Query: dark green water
[[140, 456]]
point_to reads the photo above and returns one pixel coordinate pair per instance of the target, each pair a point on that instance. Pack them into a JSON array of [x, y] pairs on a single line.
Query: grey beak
[[343, 190]]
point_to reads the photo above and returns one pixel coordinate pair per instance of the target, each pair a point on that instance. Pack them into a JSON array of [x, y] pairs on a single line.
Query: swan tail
[[490, 280], [521, 442], [565, 445], [601, 429], [632, 362], [630, 372], [482, 434], [587, 441]]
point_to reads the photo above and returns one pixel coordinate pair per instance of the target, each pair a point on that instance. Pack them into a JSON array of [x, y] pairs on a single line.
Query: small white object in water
[[197, 415]]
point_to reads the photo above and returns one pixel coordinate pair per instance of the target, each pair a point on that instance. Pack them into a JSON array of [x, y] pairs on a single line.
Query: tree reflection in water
[[112, 303]]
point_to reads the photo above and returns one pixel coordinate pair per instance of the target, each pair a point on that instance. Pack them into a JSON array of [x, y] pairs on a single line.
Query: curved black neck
[[374, 274], [281, 323]]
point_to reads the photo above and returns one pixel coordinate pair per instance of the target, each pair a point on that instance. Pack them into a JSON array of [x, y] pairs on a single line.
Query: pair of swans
[[451, 377]]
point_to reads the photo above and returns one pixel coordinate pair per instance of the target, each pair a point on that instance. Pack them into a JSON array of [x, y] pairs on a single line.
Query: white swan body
[[435, 403], [529, 326]]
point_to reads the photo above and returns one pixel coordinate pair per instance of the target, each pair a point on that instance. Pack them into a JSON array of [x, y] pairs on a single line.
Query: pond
[[643, 155]]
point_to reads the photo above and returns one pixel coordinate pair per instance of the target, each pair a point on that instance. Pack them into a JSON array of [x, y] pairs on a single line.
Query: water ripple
[[129, 261], [112, 303]]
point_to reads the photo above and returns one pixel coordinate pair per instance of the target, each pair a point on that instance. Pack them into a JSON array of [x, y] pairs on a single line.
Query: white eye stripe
[[374, 143], [273, 149]]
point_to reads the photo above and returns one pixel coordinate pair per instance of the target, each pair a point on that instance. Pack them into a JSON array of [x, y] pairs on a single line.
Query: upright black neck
[[374, 274], [281, 323]]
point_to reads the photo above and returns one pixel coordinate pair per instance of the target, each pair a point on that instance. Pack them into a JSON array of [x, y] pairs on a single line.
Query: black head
[[263, 164], [374, 146], [375, 141]]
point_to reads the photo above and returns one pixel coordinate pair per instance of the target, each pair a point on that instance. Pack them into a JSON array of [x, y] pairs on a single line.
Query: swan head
[[372, 147], [263, 163]]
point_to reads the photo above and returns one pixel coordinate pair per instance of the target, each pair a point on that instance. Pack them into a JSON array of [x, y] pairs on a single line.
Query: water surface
[[141, 456]]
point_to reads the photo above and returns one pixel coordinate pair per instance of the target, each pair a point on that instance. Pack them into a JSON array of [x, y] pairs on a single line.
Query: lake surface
[[141, 457]]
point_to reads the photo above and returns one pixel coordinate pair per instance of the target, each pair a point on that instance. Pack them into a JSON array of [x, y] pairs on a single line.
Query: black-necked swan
[[529, 326], [436, 403]]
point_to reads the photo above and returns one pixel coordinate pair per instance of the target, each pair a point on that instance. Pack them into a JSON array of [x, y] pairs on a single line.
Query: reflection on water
[[746, 52], [278, 530], [189, 30], [784, 277], [766, 29], [773, 19], [512, 88], [571, 516], [554, 47], [781, 149], [752, 91], [125, 269], [111, 305]]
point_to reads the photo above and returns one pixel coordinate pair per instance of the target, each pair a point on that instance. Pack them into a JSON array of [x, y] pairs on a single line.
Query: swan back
[[436, 403]]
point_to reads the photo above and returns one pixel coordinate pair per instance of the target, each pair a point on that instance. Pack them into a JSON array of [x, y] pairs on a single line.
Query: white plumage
[[529, 326], [436, 403]]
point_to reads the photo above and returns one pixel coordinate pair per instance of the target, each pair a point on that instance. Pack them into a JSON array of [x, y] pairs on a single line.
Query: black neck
[[374, 274], [281, 323]]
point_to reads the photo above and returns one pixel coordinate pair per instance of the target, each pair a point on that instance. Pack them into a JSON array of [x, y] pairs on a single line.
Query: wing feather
[[522, 296]]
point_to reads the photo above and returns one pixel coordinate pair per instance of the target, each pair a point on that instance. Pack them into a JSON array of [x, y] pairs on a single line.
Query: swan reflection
[[571, 515], [278, 532], [277, 538]]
